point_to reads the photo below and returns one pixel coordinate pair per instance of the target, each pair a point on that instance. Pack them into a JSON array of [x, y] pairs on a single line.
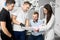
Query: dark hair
[[10, 1], [49, 12], [36, 13], [27, 2]]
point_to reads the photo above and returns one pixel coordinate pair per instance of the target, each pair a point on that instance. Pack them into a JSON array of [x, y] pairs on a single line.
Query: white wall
[[57, 17], [41, 2]]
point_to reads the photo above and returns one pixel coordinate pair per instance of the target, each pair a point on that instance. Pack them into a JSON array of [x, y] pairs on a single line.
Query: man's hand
[[13, 38], [10, 36], [21, 24]]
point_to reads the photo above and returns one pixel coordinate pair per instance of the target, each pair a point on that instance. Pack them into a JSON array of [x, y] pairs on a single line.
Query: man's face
[[10, 7], [26, 7], [35, 17]]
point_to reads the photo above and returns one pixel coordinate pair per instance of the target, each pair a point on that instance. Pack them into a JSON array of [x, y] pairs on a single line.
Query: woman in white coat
[[48, 26]]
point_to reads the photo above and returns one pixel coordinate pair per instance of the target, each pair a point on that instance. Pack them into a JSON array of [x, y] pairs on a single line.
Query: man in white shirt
[[19, 18]]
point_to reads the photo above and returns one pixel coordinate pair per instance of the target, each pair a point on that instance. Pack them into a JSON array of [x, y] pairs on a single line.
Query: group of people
[[12, 26]]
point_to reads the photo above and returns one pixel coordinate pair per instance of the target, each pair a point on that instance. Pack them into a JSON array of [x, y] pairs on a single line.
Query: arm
[[4, 29], [27, 22], [48, 26], [17, 22], [3, 24], [14, 20]]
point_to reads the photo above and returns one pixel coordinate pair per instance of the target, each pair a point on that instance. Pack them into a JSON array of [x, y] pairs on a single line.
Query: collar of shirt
[[35, 21]]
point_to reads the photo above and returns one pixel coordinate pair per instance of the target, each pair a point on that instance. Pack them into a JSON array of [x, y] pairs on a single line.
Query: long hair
[[49, 12]]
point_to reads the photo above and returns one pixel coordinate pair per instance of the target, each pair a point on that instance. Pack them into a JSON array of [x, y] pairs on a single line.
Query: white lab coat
[[49, 28]]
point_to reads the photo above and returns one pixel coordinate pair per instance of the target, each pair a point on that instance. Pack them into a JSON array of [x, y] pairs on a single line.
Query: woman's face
[[45, 10]]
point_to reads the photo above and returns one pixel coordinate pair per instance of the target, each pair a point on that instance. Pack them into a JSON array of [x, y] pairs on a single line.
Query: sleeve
[[2, 17], [41, 21], [48, 26], [27, 16], [15, 13], [30, 23]]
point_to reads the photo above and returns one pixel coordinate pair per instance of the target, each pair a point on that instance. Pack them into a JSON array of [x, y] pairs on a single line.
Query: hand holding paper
[[36, 30]]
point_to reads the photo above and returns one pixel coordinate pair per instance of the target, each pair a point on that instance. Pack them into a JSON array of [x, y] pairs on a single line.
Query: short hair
[[36, 13], [27, 2], [10, 1]]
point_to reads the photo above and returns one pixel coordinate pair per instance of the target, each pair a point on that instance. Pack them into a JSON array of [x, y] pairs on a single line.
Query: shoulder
[[53, 16], [31, 21], [3, 12], [40, 20], [19, 10], [16, 11]]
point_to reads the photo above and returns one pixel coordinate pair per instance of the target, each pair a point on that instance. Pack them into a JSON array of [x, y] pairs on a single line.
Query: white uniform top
[[49, 28], [20, 17]]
